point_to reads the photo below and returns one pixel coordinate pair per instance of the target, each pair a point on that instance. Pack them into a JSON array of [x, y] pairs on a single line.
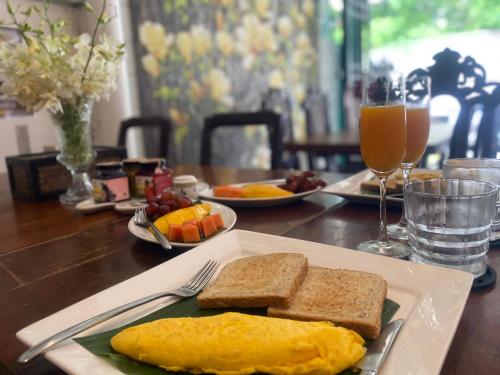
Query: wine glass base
[[398, 232], [390, 249]]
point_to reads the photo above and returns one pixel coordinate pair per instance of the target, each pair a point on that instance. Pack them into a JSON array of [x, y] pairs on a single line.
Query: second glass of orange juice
[[418, 98], [383, 136]]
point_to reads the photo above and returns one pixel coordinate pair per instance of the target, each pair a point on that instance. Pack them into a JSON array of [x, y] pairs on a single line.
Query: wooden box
[[39, 177]]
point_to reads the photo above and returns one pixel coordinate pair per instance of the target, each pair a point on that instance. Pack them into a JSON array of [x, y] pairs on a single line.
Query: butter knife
[[376, 353]]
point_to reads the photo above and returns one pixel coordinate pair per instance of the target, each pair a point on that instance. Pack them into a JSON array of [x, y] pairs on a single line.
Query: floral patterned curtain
[[200, 57]]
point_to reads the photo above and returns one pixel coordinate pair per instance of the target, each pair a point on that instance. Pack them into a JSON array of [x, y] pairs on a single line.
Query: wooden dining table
[[52, 256], [347, 142]]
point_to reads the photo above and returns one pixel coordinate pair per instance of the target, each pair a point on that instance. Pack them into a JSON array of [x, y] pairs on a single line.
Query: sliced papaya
[[190, 233], [217, 218], [227, 191], [208, 226], [174, 233]]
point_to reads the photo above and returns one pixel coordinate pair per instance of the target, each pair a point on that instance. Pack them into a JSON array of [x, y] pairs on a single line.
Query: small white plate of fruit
[[266, 193], [184, 222]]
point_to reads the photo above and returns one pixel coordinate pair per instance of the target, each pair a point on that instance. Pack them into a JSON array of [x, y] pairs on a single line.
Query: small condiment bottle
[[131, 167], [110, 183], [144, 178], [186, 185], [162, 179], [153, 178]]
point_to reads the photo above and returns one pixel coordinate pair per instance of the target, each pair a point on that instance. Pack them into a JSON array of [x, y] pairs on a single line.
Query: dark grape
[[152, 208], [321, 182], [293, 187], [164, 209], [292, 178], [308, 174], [184, 202], [168, 195]]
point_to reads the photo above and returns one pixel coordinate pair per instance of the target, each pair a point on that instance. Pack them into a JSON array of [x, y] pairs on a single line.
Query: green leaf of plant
[[99, 344], [10, 9], [88, 7]]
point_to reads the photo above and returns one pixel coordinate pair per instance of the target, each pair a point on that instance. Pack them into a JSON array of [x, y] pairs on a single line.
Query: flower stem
[[94, 35]]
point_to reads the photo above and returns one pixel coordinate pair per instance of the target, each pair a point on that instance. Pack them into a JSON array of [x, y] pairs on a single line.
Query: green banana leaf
[[100, 344]]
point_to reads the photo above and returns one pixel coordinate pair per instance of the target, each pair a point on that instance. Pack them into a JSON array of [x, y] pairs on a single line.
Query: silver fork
[[189, 289], [141, 219]]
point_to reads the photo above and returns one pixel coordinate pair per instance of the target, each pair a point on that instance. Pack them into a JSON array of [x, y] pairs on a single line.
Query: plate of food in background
[[363, 187], [184, 222], [269, 193]]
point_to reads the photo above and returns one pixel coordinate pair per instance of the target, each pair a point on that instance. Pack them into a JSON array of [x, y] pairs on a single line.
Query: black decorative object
[[39, 177], [465, 80]]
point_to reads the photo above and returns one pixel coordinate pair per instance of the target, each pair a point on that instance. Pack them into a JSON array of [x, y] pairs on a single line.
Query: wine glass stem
[[382, 233], [406, 179]]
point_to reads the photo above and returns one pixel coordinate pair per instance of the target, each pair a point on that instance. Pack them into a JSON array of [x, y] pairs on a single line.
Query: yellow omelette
[[234, 343]]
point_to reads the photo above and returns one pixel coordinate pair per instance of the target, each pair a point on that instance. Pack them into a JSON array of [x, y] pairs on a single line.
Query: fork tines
[[203, 276]]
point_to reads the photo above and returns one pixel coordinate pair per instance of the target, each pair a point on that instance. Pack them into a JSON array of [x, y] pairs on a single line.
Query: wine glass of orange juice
[[382, 129], [418, 97]]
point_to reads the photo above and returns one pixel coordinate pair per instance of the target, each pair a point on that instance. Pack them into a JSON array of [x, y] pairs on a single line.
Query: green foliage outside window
[[395, 21]]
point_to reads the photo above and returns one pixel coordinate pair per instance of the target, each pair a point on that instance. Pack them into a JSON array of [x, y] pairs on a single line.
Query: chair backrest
[[315, 107], [463, 79], [278, 101], [162, 125], [270, 119], [487, 141]]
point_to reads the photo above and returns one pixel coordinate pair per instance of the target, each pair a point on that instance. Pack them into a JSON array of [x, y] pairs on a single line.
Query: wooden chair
[[270, 119], [465, 80], [160, 125], [487, 140]]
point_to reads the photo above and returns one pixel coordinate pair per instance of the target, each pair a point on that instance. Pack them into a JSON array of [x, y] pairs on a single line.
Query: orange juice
[[417, 131], [383, 137]]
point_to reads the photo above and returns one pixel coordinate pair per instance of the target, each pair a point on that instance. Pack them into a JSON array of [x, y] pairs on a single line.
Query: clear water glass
[[480, 169], [449, 222]]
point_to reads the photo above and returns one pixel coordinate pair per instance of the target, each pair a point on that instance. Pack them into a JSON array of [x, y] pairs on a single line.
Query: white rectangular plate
[[431, 298], [350, 189]]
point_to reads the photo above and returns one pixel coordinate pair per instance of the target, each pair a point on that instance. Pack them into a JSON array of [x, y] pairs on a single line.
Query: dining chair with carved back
[[465, 80], [271, 120], [155, 134]]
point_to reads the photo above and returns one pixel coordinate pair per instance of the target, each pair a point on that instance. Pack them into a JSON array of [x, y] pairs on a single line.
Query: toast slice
[[351, 299], [256, 281]]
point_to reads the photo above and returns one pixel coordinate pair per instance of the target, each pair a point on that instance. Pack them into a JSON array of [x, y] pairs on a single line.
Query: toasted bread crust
[[258, 281], [351, 299]]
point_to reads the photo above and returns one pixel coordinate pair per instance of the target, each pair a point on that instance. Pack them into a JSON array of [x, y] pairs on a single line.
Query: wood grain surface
[[53, 256]]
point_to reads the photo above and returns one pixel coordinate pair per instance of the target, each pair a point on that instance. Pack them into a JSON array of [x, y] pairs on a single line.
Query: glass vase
[[73, 135]]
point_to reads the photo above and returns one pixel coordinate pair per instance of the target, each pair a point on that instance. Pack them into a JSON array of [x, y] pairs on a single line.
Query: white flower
[[154, 38], [151, 66], [225, 42], [201, 38], [298, 58], [285, 27], [276, 79], [299, 92], [185, 46], [219, 86], [197, 91], [42, 78], [262, 7], [308, 7], [303, 42], [254, 37]]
